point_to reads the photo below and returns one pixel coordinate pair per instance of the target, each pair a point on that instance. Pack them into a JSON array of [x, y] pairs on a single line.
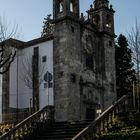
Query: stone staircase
[[41, 125], [61, 130]]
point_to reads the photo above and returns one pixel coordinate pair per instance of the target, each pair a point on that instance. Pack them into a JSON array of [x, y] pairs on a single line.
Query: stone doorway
[[90, 114]]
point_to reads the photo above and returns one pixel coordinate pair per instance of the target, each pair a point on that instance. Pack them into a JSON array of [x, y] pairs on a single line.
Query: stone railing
[[31, 124], [14, 117], [105, 120]]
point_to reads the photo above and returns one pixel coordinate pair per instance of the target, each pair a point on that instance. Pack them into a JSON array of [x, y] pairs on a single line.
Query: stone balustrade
[[105, 120], [26, 128]]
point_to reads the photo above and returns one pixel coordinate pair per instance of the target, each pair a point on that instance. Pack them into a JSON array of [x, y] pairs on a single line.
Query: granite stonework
[[80, 54], [84, 59]]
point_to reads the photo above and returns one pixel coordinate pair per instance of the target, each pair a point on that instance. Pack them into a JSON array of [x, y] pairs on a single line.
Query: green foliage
[[125, 131], [48, 27], [125, 73], [122, 129]]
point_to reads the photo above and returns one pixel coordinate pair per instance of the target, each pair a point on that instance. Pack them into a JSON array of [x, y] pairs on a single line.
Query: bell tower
[[101, 3], [103, 17], [66, 59], [63, 8]]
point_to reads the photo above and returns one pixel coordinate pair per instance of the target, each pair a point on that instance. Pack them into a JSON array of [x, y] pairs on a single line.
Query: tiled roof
[[12, 42], [37, 41], [21, 44]]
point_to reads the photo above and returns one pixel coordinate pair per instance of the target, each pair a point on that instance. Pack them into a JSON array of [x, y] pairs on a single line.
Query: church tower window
[[61, 6], [96, 19], [73, 78], [71, 6], [72, 29], [108, 21], [110, 43], [90, 95], [89, 61]]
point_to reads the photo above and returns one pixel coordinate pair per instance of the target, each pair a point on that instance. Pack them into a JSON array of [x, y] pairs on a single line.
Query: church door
[[90, 114]]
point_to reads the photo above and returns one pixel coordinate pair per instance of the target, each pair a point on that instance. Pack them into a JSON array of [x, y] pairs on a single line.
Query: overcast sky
[[29, 14]]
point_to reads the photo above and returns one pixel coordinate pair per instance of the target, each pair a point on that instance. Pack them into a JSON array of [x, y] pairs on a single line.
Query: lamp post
[[99, 111]]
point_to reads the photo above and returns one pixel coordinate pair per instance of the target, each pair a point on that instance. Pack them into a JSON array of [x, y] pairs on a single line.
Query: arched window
[[96, 19], [89, 61], [61, 6], [110, 43], [108, 21], [90, 95], [71, 6], [89, 53]]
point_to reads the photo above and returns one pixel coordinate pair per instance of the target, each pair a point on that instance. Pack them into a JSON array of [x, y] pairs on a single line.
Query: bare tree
[[27, 72], [134, 44], [7, 54], [33, 76]]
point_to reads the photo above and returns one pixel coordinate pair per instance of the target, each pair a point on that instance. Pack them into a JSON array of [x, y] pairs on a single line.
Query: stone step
[[62, 130], [66, 127], [50, 131], [59, 133], [54, 139], [70, 124], [57, 136]]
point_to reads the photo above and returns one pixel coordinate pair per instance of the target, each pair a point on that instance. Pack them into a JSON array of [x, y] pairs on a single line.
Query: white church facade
[[19, 88]]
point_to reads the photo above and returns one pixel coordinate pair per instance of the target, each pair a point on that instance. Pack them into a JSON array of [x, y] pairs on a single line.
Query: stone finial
[[82, 17], [111, 7], [91, 6], [48, 17]]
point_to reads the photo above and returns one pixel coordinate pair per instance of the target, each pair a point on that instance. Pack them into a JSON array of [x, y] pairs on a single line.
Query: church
[[72, 68]]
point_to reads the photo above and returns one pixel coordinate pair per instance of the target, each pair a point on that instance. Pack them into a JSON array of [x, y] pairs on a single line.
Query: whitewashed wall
[[17, 85]]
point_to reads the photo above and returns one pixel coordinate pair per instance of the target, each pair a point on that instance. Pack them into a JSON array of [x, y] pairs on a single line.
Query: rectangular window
[[89, 61], [44, 58], [36, 50], [73, 78], [110, 43], [112, 87], [72, 29], [61, 74]]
